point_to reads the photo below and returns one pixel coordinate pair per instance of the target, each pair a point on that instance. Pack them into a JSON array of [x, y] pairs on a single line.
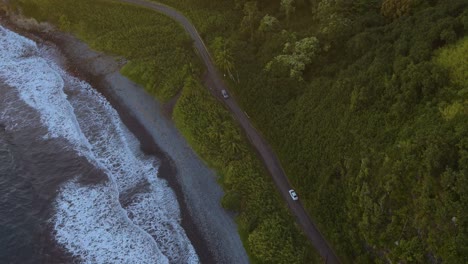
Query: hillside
[[366, 103]]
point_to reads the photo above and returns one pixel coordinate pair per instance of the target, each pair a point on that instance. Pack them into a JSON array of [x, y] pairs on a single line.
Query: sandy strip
[[211, 229]]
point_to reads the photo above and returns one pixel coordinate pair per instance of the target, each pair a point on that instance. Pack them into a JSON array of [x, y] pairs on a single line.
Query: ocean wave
[[90, 220], [150, 211], [91, 224], [38, 85]]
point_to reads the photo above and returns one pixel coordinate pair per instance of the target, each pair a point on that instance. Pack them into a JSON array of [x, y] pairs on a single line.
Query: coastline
[[198, 193]]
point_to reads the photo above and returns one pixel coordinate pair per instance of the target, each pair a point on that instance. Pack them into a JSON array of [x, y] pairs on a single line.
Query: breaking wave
[[133, 216]]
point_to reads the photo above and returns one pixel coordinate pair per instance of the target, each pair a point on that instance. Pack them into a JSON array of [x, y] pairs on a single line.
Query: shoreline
[[180, 166]]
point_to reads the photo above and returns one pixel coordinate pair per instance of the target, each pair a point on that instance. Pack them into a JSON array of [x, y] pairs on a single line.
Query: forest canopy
[[366, 103]]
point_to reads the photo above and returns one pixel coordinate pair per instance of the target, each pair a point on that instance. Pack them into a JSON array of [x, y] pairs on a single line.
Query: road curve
[[269, 159]]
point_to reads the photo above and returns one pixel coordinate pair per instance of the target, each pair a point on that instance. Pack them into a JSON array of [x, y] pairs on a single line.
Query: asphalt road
[[268, 157]]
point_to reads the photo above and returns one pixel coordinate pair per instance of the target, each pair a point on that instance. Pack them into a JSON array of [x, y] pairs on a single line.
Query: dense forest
[[365, 102]]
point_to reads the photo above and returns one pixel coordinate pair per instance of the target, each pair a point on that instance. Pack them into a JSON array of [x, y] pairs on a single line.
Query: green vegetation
[[453, 59], [269, 233], [143, 37], [365, 102], [268, 230], [137, 34], [369, 119]]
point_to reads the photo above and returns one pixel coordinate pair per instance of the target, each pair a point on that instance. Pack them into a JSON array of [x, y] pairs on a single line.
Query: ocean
[[74, 183]]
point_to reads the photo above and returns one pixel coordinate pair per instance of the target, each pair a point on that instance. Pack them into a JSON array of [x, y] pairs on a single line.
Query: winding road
[[269, 159]]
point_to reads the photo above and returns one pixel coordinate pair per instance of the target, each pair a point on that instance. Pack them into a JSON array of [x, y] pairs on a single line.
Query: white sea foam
[[154, 208], [155, 213], [38, 85], [90, 222]]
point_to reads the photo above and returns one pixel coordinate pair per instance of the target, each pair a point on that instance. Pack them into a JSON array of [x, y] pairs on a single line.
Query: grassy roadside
[[142, 36], [209, 24]]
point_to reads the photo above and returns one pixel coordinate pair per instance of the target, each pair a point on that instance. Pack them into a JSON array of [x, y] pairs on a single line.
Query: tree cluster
[[368, 115]]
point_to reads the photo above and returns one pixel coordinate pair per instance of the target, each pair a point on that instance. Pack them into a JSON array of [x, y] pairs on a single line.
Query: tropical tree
[[223, 56], [334, 18], [268, 24], [231, 141], [297, 56], [395, 8], [251, 17], [288, 8], [272, 242]]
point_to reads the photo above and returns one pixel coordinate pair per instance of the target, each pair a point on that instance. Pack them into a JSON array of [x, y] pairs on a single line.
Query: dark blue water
[[31, 169]]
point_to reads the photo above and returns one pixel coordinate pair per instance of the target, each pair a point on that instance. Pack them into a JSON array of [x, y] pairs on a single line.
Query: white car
[[225, 94], [293, 195]]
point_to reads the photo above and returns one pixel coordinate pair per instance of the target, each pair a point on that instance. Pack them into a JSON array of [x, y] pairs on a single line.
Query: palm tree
[[224, 59], [231, 141], [213, 133]]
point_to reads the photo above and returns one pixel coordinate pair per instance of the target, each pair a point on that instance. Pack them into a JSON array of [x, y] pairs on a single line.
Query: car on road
[[293, 195], [225, 94]]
